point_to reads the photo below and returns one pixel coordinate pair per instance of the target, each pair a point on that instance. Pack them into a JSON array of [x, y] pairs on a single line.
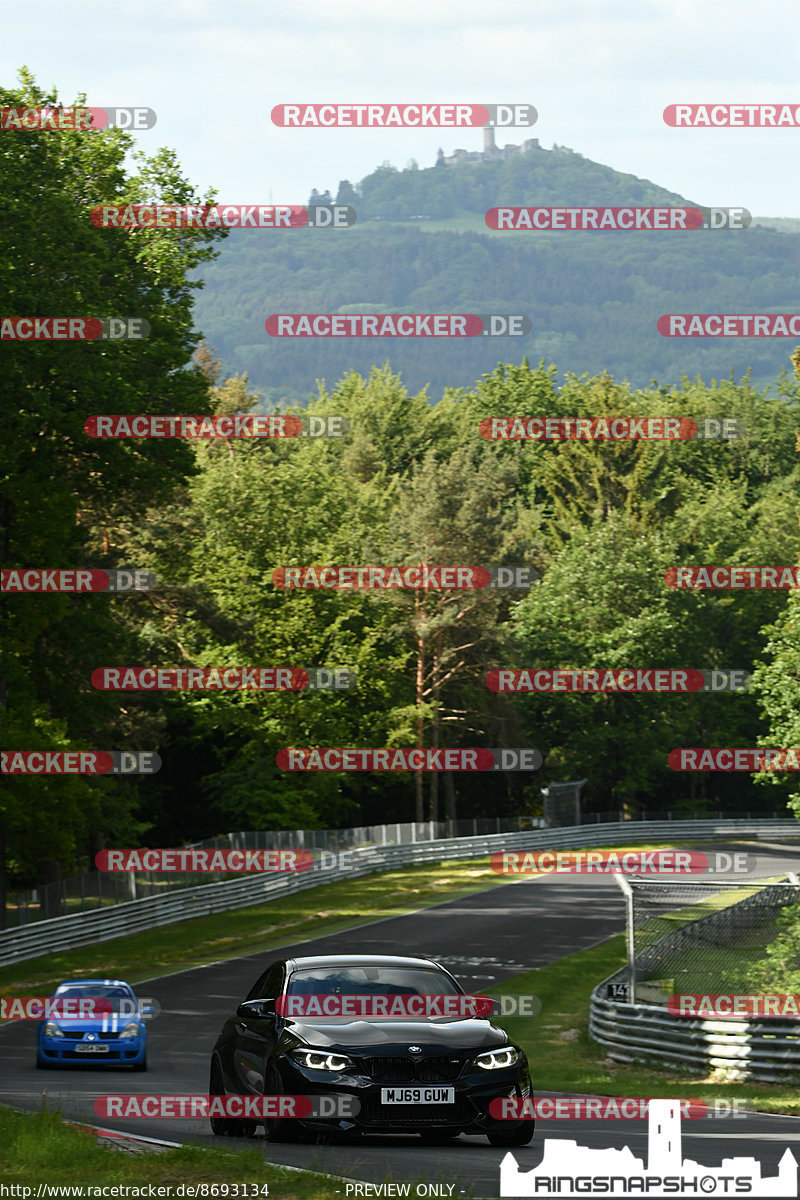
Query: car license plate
[[418, 1095], [92, 1049]]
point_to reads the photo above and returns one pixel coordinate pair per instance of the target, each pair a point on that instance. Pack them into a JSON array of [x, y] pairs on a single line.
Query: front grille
[[372, 1112], [438, 1069]]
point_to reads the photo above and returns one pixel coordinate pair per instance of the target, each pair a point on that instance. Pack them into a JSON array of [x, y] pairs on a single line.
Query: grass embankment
[[38, 1148], [292, 918]]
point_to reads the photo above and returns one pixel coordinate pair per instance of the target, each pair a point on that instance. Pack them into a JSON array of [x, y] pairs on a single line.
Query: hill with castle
[[420, 244]]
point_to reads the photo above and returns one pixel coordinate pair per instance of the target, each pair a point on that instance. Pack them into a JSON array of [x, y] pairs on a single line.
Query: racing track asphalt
[[483, 939]]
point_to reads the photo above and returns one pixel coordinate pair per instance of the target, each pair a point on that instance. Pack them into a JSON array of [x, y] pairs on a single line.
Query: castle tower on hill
[[491, 151]]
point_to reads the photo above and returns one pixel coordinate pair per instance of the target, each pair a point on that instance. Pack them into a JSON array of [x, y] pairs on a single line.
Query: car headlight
[[52, 1030], [130, 1031], [492, 1060], [321, 1060]]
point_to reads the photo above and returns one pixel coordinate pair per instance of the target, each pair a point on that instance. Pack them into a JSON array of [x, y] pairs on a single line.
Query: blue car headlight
[[493, 1060], [131, 1031], [52, 1030], [321, 1060]]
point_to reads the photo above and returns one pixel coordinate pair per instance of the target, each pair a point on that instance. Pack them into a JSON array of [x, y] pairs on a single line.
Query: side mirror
[[255, 1008]]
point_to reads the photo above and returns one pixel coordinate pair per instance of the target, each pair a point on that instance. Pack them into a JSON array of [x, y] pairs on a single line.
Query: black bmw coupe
[[433, 1075]]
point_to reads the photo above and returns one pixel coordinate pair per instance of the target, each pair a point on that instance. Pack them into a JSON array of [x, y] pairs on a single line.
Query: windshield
[[112, 994], [372, 981]]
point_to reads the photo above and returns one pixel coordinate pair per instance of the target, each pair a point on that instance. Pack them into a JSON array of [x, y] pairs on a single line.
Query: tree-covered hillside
[[593, 298]]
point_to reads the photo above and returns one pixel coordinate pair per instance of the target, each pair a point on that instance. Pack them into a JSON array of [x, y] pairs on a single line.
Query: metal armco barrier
[[99, 925], [763, 1049]]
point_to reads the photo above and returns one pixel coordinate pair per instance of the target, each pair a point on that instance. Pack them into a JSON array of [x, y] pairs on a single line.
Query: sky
[[599, 73]]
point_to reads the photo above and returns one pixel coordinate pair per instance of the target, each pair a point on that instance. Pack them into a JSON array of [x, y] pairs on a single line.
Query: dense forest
[[412, 482]]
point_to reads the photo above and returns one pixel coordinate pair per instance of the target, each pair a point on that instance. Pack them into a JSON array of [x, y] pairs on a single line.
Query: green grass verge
[[313, 912], [563, 1058], [38, 1148]]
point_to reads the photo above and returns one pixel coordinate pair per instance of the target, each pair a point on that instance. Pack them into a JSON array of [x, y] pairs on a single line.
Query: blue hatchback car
[[116, 1034]]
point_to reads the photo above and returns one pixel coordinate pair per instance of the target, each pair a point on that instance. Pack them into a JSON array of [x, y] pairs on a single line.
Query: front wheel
[[278, 1129], [226, 1126], [518, 1135]]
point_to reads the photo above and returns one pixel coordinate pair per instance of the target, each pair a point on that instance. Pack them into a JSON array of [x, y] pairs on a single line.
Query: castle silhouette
[[490, 153], [566, 1158]]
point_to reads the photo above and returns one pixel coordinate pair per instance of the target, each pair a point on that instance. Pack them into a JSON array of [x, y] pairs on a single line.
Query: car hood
[[109, 1024], [392, 1036]]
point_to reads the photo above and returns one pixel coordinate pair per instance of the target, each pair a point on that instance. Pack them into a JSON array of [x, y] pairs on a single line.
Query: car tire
[[140, 1066], [220, 1126], [518, 1135], [42, 1064], [277, 1129]]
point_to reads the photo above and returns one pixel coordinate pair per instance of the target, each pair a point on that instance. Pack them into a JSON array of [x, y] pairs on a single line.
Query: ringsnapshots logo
[[569, 1169], [713, 758], [402, 116], [662, 680], [732, 116], [80, 762], [235, 425], [626, 219], [622, 862], [409, 759], [73, 329], [610, 429], [20, 579], [424, 577], [726, 578], [191, 1106], [193, 859], [749, 325], [732, 1007], [223, 679], [78, 119], [401, 325], [223, 216]]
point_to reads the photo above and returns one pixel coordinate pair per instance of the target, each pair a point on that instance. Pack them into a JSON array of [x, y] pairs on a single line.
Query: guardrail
[[764, 1049], [81, 929]]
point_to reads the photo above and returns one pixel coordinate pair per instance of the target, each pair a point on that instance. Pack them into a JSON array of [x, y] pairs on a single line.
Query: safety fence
[[86, 928], [701, 955]]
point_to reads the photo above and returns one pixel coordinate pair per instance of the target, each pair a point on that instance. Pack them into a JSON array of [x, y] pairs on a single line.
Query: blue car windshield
[[99, 991]]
